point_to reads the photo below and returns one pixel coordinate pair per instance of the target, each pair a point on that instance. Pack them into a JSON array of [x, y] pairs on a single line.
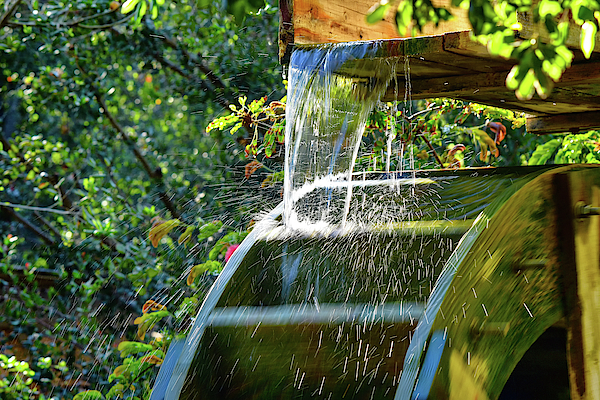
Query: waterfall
[[328, 103]]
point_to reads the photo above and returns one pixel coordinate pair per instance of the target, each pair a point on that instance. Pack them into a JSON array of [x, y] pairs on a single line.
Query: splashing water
[[327, 108], [193, 340]]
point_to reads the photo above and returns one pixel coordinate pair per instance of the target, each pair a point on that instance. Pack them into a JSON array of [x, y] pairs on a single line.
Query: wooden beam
[[585, 187], [332, 21], [563, 123]]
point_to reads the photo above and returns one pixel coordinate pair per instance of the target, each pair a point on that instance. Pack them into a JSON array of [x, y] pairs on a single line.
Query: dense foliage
[[138, 141], [103, 118]]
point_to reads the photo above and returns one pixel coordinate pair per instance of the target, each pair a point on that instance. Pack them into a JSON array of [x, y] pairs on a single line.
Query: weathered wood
[[564, 123], [491, 313], [332, 21], [530, 30], [446, 62], [585, 187], [568, 275]]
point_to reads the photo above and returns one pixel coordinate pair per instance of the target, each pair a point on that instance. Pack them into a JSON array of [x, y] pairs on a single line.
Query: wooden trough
[[445, 62], [514, 257]]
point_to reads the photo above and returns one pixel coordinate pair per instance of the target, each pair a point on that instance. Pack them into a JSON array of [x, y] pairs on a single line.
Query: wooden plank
[[331, 21], [562, 123], [568, 283], [585, 187]]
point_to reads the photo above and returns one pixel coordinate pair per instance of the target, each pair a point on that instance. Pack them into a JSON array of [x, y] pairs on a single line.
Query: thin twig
[[435, 154], [47, 223], [33, 208], [155, 174], [11, 10], [22, 220]]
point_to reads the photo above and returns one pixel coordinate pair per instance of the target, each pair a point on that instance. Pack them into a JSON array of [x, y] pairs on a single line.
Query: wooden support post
[[579, 240], [587, 255]]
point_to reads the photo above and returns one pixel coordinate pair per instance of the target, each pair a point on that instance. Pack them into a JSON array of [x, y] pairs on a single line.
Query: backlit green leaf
[[588, 38], [377, 12], [128, 6]]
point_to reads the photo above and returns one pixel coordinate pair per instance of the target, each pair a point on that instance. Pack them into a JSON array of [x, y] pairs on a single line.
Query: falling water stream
[[328, 104]]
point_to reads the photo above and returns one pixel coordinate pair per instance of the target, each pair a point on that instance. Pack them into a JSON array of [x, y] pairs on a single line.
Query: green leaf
[[549, 7], [88, 395], [197, 270], [186, 236], [377, 12], [56, 158], [526, 87], [404, 16], [207, 230], [588, 38], [128, 6], [127, 348], [543, 153]]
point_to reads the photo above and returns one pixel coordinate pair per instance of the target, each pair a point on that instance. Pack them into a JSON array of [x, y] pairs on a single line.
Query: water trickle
[[328, 104]]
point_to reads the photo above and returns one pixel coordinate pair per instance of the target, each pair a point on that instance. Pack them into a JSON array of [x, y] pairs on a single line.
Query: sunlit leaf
[[186, 236], [160, 230], [88, 395], [197, 270], [147, 321], [588, 38], [486, 142], [152, 305], [549, 7], [404, 16], [127, 348], [526, 86], [207, 230], [128, 6], [151, 359], [543, 153], [377, 12]]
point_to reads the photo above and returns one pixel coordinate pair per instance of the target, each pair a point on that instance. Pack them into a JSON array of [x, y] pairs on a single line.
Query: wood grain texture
[[332, 21], [446, 62], [572, 123], [585, 187]]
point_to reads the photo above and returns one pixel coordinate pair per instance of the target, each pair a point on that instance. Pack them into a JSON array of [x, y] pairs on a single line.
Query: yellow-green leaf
[[158, 231], [88, 395], [588, 38], [377, 12], [186, 236], [128, 6], [526, 88]]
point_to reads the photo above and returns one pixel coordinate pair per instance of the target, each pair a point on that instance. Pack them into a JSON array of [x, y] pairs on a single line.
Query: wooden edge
[[564, 123], [568, 278]]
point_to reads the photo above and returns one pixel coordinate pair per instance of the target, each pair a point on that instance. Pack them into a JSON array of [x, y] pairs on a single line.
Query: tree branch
[[11, 10], [154, 174], [435, 154], [195, 60], [37, 231], [47, 223]]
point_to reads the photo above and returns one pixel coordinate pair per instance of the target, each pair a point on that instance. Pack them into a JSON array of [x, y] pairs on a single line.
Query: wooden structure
[[447, 63], [513, 254]]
